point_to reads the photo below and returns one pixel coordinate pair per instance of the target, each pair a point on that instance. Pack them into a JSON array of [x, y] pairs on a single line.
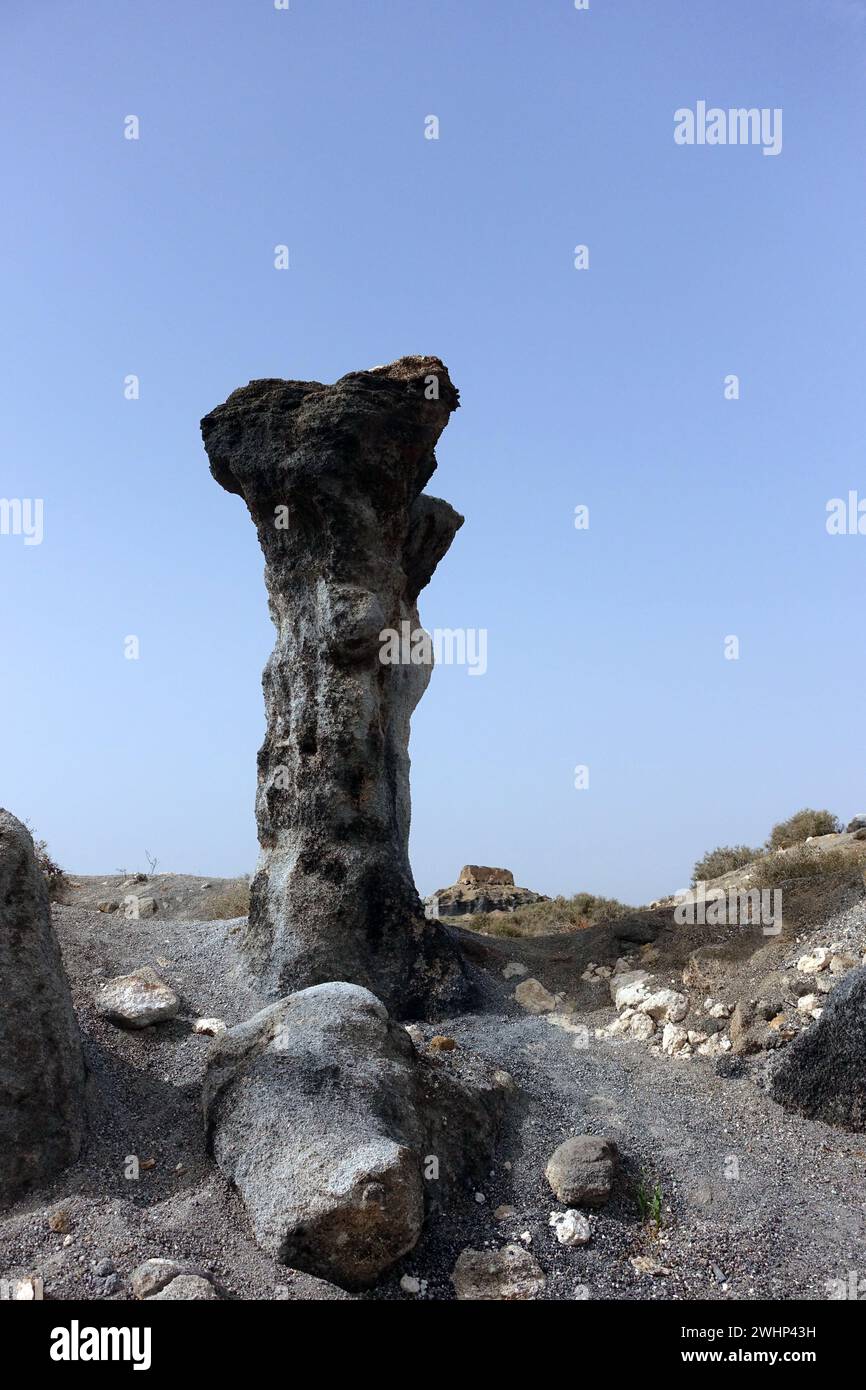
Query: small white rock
[[571, 1227], [816, 960], [210, 1027]]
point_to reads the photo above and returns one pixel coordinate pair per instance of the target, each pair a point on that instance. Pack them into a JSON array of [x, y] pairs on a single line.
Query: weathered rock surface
[[822, 1073], [534, 998], [137, 1000], [339, 1134], [333, 477], [41, 1064], [581, 1171], [152, 1276], [479, 873], [186, 1287], [757, 1027], [508, 1275]]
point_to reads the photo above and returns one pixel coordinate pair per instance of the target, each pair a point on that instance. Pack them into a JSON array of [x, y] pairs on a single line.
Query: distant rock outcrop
[[480, 889], [477, 873], [333, 477], [41, 1064]]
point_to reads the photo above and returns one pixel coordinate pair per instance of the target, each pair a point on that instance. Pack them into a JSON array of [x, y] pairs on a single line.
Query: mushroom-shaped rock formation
[[333, 477]]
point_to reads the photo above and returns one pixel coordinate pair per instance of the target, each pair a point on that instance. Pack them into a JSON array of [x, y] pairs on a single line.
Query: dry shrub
[[232, 901]]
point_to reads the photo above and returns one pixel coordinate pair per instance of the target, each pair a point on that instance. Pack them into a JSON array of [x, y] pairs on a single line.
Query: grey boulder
[[339, 1135], [41, 1064], [137, 1000], [581, 1171]]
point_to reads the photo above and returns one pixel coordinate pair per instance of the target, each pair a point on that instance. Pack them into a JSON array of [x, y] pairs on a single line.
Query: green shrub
[[797, 829], [650, 1200], [722, 861]]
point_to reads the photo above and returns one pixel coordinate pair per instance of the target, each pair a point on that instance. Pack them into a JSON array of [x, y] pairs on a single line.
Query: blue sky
[[602, 387]]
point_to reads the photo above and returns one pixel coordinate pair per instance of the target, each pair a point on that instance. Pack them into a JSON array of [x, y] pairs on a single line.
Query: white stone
[[571, 1227], [665, 1006], [617, 1029], [674, 1039], [816, 960], [210, 1027], [629, 990], [642, 1027]]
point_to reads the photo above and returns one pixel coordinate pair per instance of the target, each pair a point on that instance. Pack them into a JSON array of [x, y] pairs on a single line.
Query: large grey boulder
[[581, 1171], [339, 1135], [822, 1073], [333, 478], [41, 1065]]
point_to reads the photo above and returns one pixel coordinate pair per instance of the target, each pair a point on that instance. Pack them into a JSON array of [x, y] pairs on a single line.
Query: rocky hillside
[[180, 897]]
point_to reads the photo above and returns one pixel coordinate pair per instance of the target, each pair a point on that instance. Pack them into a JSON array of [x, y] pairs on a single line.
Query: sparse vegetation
[[797, 828], [55, 877], [650, 1200], [547, 918], [815, 882], [723, 860], [233, 901], [804, 864]]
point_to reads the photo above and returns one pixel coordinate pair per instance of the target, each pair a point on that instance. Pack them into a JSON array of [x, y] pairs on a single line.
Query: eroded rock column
[[333, 478]]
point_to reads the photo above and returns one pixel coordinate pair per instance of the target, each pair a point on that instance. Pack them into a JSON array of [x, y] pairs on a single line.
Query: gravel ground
[[790, 1222]]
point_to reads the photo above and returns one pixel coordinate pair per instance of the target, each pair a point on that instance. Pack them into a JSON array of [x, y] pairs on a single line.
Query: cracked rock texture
[[333, 478], [41, 1064]]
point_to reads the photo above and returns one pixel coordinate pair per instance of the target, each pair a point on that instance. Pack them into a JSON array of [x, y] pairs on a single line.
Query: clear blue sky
[[602, 387]]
